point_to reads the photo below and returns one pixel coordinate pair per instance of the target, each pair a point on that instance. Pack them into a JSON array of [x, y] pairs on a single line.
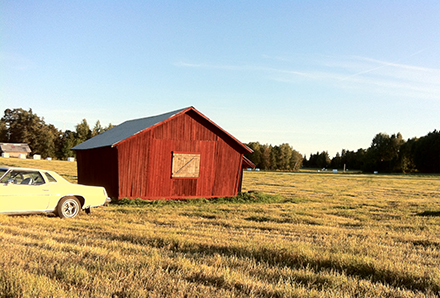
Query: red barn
[[180, 154]]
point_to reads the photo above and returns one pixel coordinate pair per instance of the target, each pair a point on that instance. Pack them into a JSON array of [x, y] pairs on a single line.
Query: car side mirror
[[9, 181]]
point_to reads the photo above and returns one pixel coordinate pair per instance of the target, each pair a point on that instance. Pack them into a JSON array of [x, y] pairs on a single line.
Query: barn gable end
[[141, 165]]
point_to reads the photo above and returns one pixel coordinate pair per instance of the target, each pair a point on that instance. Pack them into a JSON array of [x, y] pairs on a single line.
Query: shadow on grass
[[429, 213], [282, 257]]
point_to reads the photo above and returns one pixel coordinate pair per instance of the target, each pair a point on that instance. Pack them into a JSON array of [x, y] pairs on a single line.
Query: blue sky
[[319, 75]]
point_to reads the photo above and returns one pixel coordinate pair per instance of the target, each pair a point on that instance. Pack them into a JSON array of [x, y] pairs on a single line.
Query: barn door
[[185, 171]]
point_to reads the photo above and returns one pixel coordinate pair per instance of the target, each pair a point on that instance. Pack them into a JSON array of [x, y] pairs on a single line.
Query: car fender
[[54, 202]]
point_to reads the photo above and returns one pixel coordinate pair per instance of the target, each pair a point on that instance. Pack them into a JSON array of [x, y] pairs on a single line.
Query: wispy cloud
[[253, 68], [363, 74], [397, 78], [209, 66]]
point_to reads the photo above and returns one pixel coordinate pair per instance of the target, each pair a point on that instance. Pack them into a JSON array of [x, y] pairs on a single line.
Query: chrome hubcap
[[69, 208]]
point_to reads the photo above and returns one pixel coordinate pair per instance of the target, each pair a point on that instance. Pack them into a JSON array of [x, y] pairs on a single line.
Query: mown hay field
[[326, 235]]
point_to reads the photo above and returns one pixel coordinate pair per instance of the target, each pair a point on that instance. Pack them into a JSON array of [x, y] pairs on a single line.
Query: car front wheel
[[68, 207]]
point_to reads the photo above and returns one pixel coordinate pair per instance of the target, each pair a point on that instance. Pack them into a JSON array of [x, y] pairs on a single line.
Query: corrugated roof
[[123, 131]]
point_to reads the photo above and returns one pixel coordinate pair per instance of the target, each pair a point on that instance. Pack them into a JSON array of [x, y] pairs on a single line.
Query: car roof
[[52, 173]]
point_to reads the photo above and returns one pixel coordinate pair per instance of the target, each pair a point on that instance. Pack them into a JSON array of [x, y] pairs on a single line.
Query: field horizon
[[319, 235]]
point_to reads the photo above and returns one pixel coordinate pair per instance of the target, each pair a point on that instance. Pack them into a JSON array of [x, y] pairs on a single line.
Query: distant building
[[14, 149], [180, 154]]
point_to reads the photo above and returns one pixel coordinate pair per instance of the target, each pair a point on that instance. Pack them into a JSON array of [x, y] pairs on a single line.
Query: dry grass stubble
[[333, 236]]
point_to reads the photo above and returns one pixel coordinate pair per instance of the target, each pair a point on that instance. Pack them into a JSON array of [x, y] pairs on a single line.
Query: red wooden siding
[[227, 162], [145, 161], [99, 167], [140, 166], [207, 168], [184, 187], [134, 163]]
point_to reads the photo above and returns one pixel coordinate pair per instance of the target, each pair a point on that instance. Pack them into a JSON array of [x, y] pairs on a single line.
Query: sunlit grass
[[66, 169], [328, 235]]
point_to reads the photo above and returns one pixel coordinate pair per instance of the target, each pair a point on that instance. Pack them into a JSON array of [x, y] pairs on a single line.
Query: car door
[[24, 191]]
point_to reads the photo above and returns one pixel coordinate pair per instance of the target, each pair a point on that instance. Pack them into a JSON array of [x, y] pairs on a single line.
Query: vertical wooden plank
[[161, 185], [133, 164], [207, 169], [226, 169], [98, 167]]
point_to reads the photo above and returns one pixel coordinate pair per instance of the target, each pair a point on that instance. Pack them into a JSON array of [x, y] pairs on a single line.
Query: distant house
[[180, 154], [14, 149]]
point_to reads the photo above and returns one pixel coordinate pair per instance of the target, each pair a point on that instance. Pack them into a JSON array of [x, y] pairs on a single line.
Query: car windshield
[[23, 177]]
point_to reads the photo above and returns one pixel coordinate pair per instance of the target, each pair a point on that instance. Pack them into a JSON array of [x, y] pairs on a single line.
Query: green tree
[[21, 126], [313, 159], [68, 141], [48, 141], [97, 129], [283, 156], [266, 161], [305, 161], [336, 162], [383, 154], [378, 154], [3, 131], [406, 156], [255, 156], [273, 157], [396, 142], [427, 153], [296, 161], [83, 132], [323, 160]]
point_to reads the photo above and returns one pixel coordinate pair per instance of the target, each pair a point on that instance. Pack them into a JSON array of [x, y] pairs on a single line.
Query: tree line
[[268, 157], [21, 126], [388, 154], [385, 154]]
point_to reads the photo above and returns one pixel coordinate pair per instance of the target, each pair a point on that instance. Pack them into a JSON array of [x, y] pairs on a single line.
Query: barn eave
[[129, 129]]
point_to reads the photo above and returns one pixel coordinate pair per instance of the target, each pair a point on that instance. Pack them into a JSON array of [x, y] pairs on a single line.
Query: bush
[[241, 198]]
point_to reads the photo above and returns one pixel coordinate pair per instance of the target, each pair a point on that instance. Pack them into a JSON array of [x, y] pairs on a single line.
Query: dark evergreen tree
[[336, 162], [406, 156], [427, 153], [323, 160], [396, 142]]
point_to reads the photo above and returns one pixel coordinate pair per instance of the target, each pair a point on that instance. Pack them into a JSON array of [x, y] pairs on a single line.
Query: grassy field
[[326, 235]]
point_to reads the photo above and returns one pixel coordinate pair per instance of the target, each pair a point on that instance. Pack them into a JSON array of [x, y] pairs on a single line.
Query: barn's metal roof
[[129, 128], [124, 130]]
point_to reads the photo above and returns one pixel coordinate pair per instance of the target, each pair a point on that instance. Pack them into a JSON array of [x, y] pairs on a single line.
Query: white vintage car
[[32, 191]]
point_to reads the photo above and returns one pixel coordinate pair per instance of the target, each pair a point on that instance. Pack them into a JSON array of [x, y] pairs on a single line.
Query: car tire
[[68, 207]]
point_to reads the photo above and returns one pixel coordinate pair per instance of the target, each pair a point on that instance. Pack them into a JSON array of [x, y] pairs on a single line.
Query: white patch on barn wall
[[185, 165]]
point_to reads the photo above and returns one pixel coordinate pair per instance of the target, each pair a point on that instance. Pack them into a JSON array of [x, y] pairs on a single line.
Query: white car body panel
[[43, 193]]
